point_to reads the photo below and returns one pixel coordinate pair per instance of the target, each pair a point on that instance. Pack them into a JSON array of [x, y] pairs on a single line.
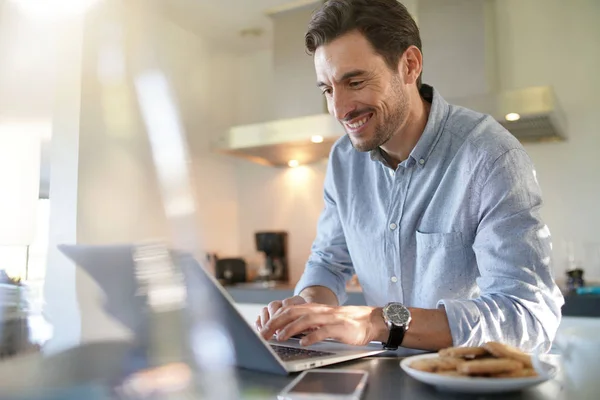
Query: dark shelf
[[587, 305]]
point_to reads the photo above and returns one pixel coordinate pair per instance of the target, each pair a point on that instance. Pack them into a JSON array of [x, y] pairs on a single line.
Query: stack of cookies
[[492, 360]]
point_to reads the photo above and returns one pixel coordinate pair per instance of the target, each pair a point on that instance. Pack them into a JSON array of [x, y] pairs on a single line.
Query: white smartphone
[[326, 384]]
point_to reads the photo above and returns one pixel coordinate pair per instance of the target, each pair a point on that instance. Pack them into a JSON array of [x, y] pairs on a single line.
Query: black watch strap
[[396, 337]]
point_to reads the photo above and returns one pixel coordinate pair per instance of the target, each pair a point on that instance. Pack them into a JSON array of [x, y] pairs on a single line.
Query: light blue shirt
[[457, 225]]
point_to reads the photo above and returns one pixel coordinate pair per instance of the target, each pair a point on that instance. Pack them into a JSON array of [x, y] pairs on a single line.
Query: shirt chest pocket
[[439, 240], [441, 257]]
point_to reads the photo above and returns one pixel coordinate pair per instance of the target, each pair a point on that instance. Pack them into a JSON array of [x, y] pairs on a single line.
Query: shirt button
[[393, 226], [394, 279], [392, 173], [422, 161]]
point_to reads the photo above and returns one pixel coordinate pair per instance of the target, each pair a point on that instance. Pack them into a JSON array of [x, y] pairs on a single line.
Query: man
[[434, 207]]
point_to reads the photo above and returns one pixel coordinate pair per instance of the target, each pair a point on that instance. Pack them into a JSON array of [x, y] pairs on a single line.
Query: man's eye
[[327, 91], [355, 84]]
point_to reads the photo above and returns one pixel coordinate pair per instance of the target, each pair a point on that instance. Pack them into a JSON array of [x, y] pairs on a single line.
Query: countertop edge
[[575, 305]]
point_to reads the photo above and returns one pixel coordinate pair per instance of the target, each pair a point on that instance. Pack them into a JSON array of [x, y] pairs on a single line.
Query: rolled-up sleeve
[[519, 303], [329, 263]]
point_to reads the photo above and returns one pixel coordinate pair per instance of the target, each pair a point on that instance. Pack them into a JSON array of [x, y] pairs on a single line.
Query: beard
[[387, 128]]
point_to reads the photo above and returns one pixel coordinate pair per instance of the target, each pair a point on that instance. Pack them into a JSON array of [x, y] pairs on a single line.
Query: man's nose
[[340, 106]]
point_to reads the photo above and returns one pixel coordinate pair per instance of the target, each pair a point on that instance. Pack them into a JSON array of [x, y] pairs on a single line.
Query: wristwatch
[[397, 318]]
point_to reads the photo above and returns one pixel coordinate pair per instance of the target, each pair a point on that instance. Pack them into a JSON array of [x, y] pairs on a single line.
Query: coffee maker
[[274, 245]]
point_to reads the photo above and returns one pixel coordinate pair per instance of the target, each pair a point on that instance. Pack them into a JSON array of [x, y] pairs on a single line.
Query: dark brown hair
[[386, 24]]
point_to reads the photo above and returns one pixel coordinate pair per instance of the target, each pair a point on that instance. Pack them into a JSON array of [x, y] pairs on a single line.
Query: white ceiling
[[222, 20]]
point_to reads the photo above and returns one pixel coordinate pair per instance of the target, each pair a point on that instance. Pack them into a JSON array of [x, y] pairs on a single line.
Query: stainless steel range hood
[[459, 61], [276, 143], [531, 114]]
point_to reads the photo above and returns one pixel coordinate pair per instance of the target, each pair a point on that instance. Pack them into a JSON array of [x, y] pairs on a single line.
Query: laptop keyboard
[[293, 353]]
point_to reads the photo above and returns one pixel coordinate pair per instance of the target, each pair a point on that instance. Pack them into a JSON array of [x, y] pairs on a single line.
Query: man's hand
[[267, 312], [351, 325]]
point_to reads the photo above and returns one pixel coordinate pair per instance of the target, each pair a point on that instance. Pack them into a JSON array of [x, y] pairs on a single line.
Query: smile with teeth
[[358, 123]]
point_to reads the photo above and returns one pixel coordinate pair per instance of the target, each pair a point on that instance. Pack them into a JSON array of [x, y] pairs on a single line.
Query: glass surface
[[327, 382]]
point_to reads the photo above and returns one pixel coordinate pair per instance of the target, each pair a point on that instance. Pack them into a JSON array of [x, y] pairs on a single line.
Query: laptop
[[105, 263]]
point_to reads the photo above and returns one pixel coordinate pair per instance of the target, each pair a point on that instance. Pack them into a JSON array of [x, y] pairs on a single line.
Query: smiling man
[[435, 207]]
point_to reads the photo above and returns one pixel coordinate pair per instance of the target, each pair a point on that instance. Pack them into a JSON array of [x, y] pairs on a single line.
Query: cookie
[[463, 352], [437, 364], [520, 373], [489, 366], [505, 351]]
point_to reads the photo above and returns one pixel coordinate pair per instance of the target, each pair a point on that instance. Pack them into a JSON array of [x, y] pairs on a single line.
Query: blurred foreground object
[[23, 328]]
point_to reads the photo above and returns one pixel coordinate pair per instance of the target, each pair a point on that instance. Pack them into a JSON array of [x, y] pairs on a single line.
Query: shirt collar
[[435, 122]]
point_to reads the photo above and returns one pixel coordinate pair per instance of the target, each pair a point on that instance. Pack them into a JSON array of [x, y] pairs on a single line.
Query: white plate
[[472, 384]]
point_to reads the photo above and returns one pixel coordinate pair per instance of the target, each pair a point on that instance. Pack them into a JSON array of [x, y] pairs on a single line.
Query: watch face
[[397, 314]]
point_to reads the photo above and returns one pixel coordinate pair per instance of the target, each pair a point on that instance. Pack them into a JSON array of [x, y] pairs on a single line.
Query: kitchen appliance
[[575, 279], [230, 271], [274, 245]]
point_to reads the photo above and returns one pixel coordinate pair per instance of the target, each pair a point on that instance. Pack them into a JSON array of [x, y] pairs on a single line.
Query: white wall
[[215, 174], [288, 199], [540, 42], [277, 199], [254, 87], [558, 43]]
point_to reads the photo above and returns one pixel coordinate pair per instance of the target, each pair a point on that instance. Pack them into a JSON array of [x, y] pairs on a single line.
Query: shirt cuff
[[316, 276], [464, 319]]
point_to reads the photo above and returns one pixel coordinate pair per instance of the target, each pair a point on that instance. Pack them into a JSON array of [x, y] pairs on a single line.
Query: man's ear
[[411, 65]]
